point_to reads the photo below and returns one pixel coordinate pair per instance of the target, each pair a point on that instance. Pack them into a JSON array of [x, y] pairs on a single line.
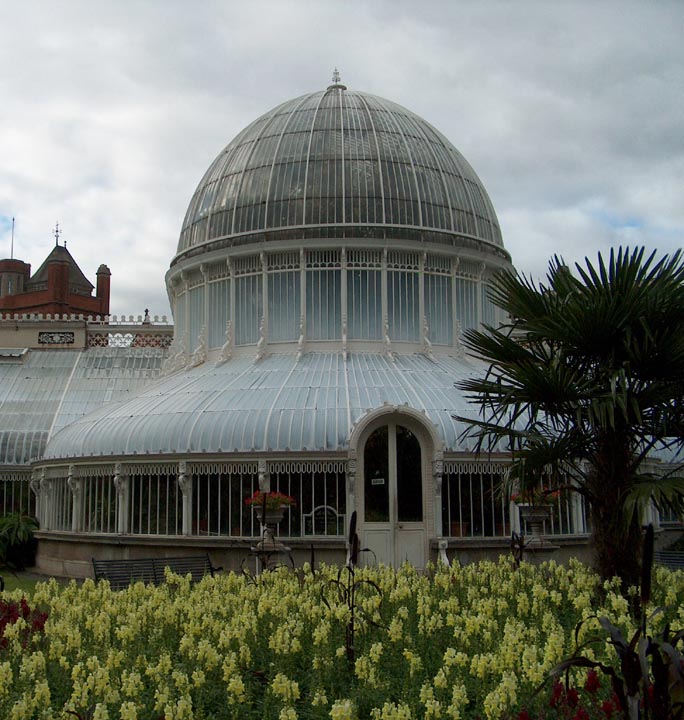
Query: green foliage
[[649, 680], [584, 382], [17, 543], [16, 528]]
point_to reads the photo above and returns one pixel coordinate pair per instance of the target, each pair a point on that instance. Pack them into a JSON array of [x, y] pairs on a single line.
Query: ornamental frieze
[[55, 338]]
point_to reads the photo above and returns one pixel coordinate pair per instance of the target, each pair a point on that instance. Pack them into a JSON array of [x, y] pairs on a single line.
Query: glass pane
[[403, 306], [284, 306], [323, 305], [364, 304], [438, 308], [409, 477], [248, 309], [179, 316], [376, 476], [196, 300], [466, 303], [219, 312], [488, 307]]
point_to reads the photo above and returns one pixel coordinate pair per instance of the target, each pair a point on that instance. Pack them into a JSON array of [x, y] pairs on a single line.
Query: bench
[[122, 573], [324, 520], [673, 559]]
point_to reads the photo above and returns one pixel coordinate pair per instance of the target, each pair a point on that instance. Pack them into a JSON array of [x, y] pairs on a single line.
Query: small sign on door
[[377, 481]]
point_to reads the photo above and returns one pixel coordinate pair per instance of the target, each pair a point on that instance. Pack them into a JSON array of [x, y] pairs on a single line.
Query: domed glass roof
[[339, 164]]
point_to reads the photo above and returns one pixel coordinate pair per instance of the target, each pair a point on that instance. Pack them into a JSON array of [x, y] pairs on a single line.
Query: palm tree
[[586, 380]]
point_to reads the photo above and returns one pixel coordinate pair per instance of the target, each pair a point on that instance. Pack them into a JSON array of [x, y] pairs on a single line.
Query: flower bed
[[466, 642]]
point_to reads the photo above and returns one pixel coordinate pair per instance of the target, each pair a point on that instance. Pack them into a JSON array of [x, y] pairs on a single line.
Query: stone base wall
[[70, 555], [559, 548]]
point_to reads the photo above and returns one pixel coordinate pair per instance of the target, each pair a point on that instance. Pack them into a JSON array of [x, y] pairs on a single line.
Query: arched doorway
[[394, 501]]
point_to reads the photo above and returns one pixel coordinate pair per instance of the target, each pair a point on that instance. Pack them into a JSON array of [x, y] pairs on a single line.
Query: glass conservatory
[[329, 261]]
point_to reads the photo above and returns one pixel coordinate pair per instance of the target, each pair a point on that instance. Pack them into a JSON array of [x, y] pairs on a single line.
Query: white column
[[231, 299], [205, 285], [123, 489], [480, 293], [383, 287], [351, 485], [34, 484], [45, 488], [264, 477], [302, 297], [76, 487], [422, 317], [438, 474], [264, 295], [576, 512], [343, 294], [185, 485]]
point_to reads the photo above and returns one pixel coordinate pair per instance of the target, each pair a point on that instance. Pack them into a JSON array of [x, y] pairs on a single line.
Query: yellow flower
[[459, 700], [414, 661], [395, 630], [101, 712], [128, 711], [440, 679], [392, 711], [375, 652], [319, 698], [284, 688], [343, 710], [236, 690]]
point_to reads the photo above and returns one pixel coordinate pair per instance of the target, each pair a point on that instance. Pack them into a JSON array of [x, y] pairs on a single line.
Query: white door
[[393, 502]]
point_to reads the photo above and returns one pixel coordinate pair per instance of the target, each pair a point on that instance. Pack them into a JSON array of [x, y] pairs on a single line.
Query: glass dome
[[339, 164]]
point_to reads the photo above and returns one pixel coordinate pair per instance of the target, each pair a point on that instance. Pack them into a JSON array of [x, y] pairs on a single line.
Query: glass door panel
[[409, 477], [376, 474]]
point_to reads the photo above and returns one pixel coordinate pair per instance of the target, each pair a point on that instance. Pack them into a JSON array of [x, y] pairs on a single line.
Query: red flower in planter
[[274, 500]]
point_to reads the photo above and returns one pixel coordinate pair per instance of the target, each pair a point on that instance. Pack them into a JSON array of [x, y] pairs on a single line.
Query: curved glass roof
[[340, 164], [44, 390], [278, 404]]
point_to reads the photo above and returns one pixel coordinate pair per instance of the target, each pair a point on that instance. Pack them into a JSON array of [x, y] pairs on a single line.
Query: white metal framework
[[355, 296], [148, 498]]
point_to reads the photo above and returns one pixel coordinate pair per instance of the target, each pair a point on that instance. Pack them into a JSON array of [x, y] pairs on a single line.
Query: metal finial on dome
[[56, 232], [336, 84]]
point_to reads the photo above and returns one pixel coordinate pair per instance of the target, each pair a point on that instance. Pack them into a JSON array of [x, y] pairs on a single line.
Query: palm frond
[[666, 493]]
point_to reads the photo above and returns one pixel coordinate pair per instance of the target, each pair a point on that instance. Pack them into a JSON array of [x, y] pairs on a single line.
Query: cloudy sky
[[572, 114]]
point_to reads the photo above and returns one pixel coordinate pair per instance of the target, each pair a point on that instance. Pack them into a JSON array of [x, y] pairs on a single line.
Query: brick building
[[58, 287]]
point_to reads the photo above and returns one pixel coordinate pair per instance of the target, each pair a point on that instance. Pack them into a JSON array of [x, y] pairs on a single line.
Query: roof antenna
[[56, 232], [12, 244]]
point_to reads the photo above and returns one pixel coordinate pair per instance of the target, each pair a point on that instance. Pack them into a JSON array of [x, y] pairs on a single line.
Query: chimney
[[58, 282], [14, 275], [104, 275]]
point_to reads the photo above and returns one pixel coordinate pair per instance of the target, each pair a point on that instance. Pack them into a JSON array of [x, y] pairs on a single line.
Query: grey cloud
[[569, 112]]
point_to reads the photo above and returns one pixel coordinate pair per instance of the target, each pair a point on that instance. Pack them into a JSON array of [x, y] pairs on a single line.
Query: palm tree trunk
[[616, 538], [617, 544]]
